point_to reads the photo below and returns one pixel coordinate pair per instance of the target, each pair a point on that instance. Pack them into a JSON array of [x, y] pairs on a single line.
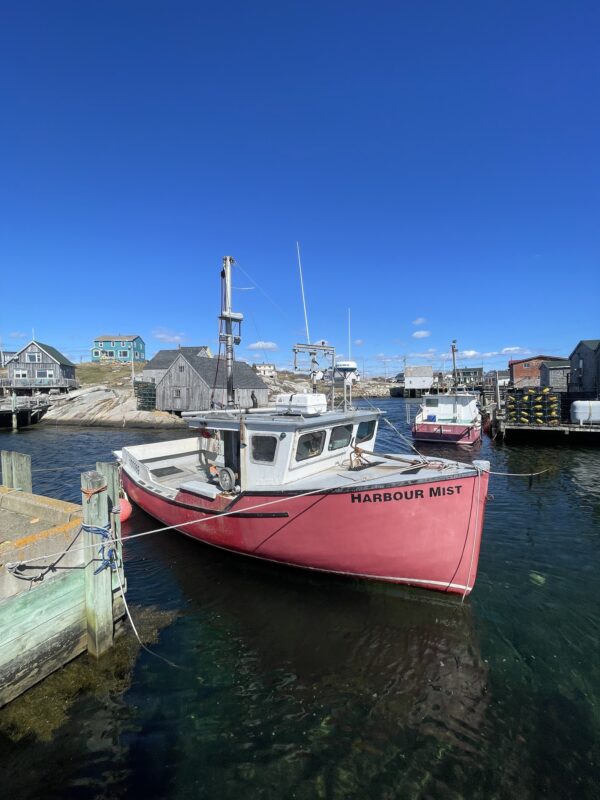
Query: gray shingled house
[[40, 366], [585, 368], [155, 369], [196, 383]]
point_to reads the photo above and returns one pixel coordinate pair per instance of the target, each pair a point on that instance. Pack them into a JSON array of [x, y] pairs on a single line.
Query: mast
[[230, 318], [454, 362]]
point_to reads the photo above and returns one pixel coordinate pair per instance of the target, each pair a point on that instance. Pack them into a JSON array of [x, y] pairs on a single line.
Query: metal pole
[[226, 275]]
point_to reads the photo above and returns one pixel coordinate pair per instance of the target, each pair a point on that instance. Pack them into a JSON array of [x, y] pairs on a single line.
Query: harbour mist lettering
[[406, 494]]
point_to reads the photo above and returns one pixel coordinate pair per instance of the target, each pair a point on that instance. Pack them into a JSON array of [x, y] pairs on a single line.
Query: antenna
[[349, 345], [303, 298]]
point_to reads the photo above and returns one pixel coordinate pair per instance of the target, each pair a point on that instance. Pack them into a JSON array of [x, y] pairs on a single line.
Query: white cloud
[[419, 321], [421, 334], [263, 346], [17, 335], [511, 351], [165, 335], [359, 342]]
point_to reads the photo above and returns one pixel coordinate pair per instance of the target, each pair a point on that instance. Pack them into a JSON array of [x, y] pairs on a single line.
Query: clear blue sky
[[437, 161]]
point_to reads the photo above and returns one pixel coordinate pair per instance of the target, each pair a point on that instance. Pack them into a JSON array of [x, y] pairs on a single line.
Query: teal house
[[119, 348]]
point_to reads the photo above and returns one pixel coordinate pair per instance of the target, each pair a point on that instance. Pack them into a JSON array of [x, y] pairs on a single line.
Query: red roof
[[537, 358]]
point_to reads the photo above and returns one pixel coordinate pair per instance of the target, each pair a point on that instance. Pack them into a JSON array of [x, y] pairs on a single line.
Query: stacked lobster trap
[[533, 406]]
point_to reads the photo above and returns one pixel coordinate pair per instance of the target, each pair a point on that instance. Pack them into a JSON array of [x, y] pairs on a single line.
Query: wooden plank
[[36, 664], [40, 606], [30, 639], [98, 588], [7, 468], [22, 472]]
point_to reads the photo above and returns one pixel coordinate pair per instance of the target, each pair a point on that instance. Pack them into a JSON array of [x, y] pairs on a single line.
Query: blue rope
[[108, 558]]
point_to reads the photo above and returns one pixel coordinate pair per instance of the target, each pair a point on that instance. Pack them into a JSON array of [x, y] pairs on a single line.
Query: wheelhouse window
[[310, 445], [340, 437], [431, 401], [263, 449], [365, 431]]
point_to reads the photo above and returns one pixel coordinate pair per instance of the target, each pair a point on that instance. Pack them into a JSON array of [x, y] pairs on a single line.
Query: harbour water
[[298, 685]]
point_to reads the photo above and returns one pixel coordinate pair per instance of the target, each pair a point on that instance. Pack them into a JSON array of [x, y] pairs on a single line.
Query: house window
[[527, 365], [20, 374], [176, 392], [34, 358], [123, 353], [310, 445], [365, 431], [100, 344], [109, 353], [137, 355], [340, 437], [123, 344], [263, 449], [96, 353], [112, 344], [181, 368], [44, 373]]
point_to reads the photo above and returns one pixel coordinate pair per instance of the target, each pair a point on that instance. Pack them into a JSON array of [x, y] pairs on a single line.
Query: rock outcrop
[[107, 407]]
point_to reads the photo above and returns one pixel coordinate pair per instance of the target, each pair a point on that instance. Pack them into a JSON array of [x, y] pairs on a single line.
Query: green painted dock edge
[[72, 610]]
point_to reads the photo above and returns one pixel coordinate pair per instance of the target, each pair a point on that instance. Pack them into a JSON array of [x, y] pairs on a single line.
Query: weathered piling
[[60, 593], [16, 470], [98, 579]]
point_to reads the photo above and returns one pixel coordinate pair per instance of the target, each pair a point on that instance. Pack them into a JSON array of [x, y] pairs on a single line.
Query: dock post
[[15, 420], [98, 587], [110, 470], [16, 470]]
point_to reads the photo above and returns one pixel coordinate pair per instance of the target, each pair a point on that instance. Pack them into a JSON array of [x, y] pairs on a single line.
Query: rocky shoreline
[[116, 407]]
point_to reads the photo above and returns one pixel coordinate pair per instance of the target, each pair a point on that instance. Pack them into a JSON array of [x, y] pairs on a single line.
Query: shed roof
[[123, 337], [164, 358], [557, 364], [214, 373], [593, 345]]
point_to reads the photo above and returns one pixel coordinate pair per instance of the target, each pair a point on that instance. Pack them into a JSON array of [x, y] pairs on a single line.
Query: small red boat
[[300, 484], [453, 418]]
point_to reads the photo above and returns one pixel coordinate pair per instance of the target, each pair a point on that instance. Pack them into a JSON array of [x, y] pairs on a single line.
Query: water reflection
[[328, 666]]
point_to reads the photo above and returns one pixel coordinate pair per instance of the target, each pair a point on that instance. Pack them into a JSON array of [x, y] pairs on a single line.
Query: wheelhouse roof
[[275, 423]]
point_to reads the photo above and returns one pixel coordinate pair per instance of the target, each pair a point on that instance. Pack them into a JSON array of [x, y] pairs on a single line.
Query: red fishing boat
[[299, 483]]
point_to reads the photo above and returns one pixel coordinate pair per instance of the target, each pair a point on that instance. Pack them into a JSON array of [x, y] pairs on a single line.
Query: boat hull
[[452, 434], [424, 534]]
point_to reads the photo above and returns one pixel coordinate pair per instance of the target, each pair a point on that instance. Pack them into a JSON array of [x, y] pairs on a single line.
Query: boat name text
[[406, 494]]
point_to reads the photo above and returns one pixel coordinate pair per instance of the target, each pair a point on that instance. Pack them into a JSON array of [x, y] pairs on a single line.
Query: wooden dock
[[577, 433], [60, 583]]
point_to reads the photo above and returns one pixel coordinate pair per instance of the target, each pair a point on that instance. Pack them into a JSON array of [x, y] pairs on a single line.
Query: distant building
[[155, 369], [5, 357], [265, 370], [42, 367], [585, 368], [555, 375], [489, 379], [119, 347], [417, 380], [525, 372], [469, 376], [195, 383]]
